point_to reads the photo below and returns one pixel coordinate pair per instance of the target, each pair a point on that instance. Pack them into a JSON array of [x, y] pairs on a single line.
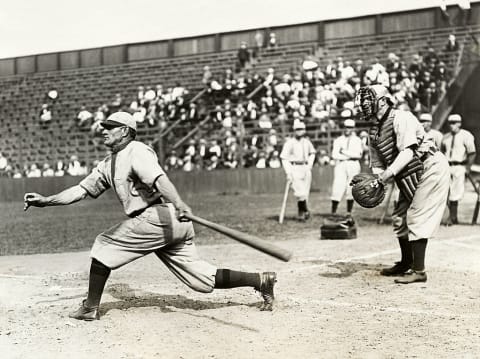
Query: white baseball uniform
[[152, 226], [456, 147], [347, 151], [437, 137], [421, 217], [297, 157]]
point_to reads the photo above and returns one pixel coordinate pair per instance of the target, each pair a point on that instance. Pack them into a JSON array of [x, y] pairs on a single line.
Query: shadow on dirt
[[130, 298], [346, 269]]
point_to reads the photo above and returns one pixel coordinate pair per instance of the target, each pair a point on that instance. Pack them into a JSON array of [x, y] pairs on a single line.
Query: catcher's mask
[[367, 98]]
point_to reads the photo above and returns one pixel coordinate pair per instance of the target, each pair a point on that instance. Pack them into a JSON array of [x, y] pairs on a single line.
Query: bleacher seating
[[23, 140]]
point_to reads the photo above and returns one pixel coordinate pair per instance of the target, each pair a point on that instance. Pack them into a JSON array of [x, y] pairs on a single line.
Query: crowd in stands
[[252, 112]]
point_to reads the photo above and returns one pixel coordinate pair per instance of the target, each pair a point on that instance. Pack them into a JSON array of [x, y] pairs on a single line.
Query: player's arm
[[68, 196], [470, 161], [403, 158], [471, 154], [170, 193]]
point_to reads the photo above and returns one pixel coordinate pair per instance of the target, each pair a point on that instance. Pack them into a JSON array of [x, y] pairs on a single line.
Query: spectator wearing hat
[[458, 145], [430, 133], [298, 156], [347, 152], [243, 55]]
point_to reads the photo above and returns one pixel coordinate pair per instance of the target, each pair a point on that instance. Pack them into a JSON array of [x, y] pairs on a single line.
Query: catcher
[[400, 149]]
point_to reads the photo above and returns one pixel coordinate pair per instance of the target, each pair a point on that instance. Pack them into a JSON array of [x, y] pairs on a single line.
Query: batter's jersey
[[409, 132], [457, 146], [436, 136], [352, 146], [297, 151], [132, 173]]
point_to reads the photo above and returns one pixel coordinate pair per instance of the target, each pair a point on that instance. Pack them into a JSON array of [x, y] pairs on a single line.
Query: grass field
[[74, 227]]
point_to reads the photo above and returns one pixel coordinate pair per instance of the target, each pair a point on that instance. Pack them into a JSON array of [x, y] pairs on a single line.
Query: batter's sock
[[419, 248], [334, 206], [349, 205], [406, 249], [226, 278], [98, 277]]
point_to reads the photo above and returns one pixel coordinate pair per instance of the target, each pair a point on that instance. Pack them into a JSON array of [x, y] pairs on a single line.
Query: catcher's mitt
[[367, 190]]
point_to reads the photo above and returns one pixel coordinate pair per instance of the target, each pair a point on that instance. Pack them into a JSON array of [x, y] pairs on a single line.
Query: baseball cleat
[[85, 313], [267, 282], [412, 277], [398, 268]]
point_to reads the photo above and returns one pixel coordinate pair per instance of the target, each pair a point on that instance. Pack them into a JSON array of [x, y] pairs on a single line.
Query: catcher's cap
[[120, 119], [349, 123], [425, 117], [380, 92], [455, 118], [298, 125]]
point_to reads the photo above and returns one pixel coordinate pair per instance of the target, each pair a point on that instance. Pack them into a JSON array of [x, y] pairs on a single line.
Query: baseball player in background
[[149, 199], [298, 156], [459, 147], [400, 149], [347, 152], [426, 121]]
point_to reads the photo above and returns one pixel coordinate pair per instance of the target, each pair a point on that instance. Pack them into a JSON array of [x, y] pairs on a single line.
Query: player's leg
[[399, 221], [457, 189], [353, 168], [88, 310], [183, 261], [425, 213], [339, 185]]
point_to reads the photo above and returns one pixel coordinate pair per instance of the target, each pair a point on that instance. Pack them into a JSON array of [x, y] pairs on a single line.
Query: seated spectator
[[45, 115], [213, 163], [191, 150], [173, 162], [274, 160], [452, 44], [34, 171], [74, 167], [227, 121], [193, 112], [264, 121], [84, 118], [214, 149], [323, 158], [59, 169], [47, 170], [207, 76], [188, 165], [178, 91], [262, 160], [231, 159]]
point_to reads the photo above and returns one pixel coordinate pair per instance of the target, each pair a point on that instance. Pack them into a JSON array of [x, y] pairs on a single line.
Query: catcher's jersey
[[295, 150], [408, 132], [456, 147], [135, 170]]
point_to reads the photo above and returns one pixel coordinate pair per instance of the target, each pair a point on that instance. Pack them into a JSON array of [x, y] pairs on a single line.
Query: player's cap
[[425, 117], [298, 125], [120, 119], [454, 118], [349, 123]]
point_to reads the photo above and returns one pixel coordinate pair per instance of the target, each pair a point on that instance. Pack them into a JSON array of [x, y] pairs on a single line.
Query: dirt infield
[[331, 302]]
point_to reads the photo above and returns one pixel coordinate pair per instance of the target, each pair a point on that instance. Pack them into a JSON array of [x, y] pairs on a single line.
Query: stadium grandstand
[[228, 100]]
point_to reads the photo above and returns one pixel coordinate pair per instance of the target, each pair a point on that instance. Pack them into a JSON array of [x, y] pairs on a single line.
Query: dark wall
[[215, 182], [469, 108]]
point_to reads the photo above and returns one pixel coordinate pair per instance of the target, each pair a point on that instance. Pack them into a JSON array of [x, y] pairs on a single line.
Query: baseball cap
[[454, 118], [120, 119], [425, 117], [349, 123], [298, 125]]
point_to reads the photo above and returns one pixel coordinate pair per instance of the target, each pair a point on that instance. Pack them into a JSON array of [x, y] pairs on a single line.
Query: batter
[[149, 199]]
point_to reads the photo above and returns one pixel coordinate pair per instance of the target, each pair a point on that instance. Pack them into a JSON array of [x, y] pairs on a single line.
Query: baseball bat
[[477, 204], [284, 203], [244, 238]]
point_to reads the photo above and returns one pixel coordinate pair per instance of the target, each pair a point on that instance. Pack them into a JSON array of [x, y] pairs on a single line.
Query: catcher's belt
[[383, 139]]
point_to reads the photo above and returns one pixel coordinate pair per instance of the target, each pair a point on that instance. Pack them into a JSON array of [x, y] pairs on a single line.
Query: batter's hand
[[33, 199], [183, 210]]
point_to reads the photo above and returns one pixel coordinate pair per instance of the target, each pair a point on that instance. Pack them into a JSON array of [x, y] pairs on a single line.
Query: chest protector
[[383, 139]]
